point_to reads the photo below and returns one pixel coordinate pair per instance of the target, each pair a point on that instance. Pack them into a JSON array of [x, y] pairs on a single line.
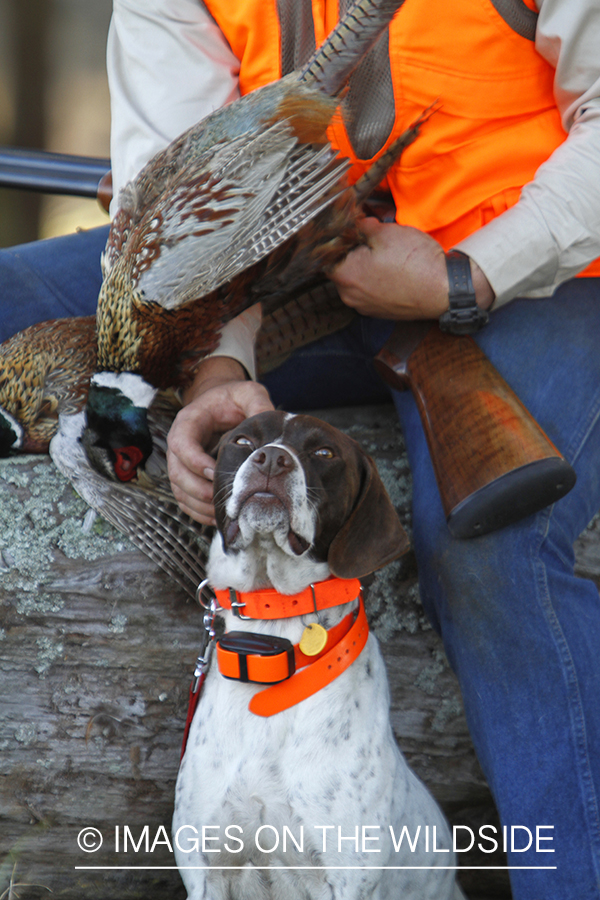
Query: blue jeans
[[521, 631], [51, 279]]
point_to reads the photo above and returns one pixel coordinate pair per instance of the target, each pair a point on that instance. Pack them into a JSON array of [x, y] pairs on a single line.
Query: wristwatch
[[464, 316]]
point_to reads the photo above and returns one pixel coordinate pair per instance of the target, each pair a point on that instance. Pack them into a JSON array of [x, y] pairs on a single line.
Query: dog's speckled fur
[[286, 489]]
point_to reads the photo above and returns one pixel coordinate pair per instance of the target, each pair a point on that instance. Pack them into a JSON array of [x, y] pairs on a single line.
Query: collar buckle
[[236, 604]]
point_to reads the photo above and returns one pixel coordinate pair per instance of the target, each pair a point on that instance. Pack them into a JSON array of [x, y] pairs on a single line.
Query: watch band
[[463, 316]]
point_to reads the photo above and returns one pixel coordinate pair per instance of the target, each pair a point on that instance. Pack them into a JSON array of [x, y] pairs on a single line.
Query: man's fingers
[[192, 492], [196, 428], [190, 433]]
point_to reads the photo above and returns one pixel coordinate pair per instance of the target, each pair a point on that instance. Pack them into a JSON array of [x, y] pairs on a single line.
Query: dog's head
[[298, 486]]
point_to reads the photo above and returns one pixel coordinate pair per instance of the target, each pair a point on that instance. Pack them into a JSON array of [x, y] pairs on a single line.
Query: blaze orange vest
[[498, 119]]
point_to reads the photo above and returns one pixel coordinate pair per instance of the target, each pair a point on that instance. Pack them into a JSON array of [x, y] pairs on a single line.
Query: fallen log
[[96, 652]]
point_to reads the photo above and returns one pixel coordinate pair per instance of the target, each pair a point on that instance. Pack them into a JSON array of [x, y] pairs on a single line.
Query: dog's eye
[[243, 441], [324, 453]]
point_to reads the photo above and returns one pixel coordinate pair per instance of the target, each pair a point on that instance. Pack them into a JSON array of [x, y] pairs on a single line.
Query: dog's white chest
[[303, 793]]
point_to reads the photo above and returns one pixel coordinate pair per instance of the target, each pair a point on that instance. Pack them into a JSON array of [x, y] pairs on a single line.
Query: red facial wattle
[[127, 461]]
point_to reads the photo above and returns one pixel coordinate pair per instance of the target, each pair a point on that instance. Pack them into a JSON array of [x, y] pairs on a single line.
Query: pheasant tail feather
[[356, 32]]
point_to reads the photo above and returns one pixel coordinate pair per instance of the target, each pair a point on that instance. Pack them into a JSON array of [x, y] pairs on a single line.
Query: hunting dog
[[292, 785]]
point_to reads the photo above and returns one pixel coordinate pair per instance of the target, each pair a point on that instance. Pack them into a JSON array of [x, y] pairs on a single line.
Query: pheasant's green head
[[117, 438]]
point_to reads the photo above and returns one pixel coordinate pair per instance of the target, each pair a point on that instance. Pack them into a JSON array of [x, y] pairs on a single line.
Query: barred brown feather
[[333, 63]]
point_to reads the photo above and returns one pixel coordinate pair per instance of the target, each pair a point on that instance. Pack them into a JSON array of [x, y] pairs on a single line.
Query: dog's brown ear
[[372, 536]]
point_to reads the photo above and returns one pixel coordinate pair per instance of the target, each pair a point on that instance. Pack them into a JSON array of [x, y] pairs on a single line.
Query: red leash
[[195, 689]]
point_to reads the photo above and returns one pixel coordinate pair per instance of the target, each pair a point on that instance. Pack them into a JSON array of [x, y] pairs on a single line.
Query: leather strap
[[270, 604], [194, 696], [463, 316]]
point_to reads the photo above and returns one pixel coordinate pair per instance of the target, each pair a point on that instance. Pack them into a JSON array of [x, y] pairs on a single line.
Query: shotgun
[[56, 173], [493, 463]]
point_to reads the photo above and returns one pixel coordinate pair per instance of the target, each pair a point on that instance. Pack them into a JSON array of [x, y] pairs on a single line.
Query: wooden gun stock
[[493, 463]]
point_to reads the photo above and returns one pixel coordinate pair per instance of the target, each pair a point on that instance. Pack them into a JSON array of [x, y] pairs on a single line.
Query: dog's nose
[[273, 461]]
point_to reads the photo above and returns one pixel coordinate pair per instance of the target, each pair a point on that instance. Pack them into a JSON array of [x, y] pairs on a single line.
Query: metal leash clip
[[209, 636]]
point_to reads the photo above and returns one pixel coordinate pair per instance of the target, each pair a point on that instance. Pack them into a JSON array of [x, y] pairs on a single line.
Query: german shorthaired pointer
[[292, 786]]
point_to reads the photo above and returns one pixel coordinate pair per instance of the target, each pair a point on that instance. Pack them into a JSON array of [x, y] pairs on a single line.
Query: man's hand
[[219, 400], [400, 274]]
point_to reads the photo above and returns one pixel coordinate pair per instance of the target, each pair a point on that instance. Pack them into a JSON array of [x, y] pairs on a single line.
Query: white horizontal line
[[395, 868]]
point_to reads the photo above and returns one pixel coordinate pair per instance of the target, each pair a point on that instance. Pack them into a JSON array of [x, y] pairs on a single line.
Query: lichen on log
[[97, 647]]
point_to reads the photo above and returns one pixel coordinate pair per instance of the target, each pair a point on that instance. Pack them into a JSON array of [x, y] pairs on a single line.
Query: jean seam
[[585, 777], [577, 442], [568, 561]]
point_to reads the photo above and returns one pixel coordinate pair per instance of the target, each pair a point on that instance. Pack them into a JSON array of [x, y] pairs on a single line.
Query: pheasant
[[44, 378], [145, 511], [44, 371], [246, 205]]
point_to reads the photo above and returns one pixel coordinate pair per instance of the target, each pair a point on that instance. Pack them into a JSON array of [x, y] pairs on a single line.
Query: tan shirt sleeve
[[168, 67], [238, 338], [553, 232]]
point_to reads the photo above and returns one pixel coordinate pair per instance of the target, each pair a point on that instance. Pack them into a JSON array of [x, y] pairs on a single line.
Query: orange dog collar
[[319, 672], [292, 675], [270, 604]]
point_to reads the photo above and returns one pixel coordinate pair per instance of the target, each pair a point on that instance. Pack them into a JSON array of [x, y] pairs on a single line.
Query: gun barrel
[[52, 173]]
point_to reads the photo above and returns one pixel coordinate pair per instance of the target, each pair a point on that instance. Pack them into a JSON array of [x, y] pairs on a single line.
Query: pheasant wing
[[227, 210]]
